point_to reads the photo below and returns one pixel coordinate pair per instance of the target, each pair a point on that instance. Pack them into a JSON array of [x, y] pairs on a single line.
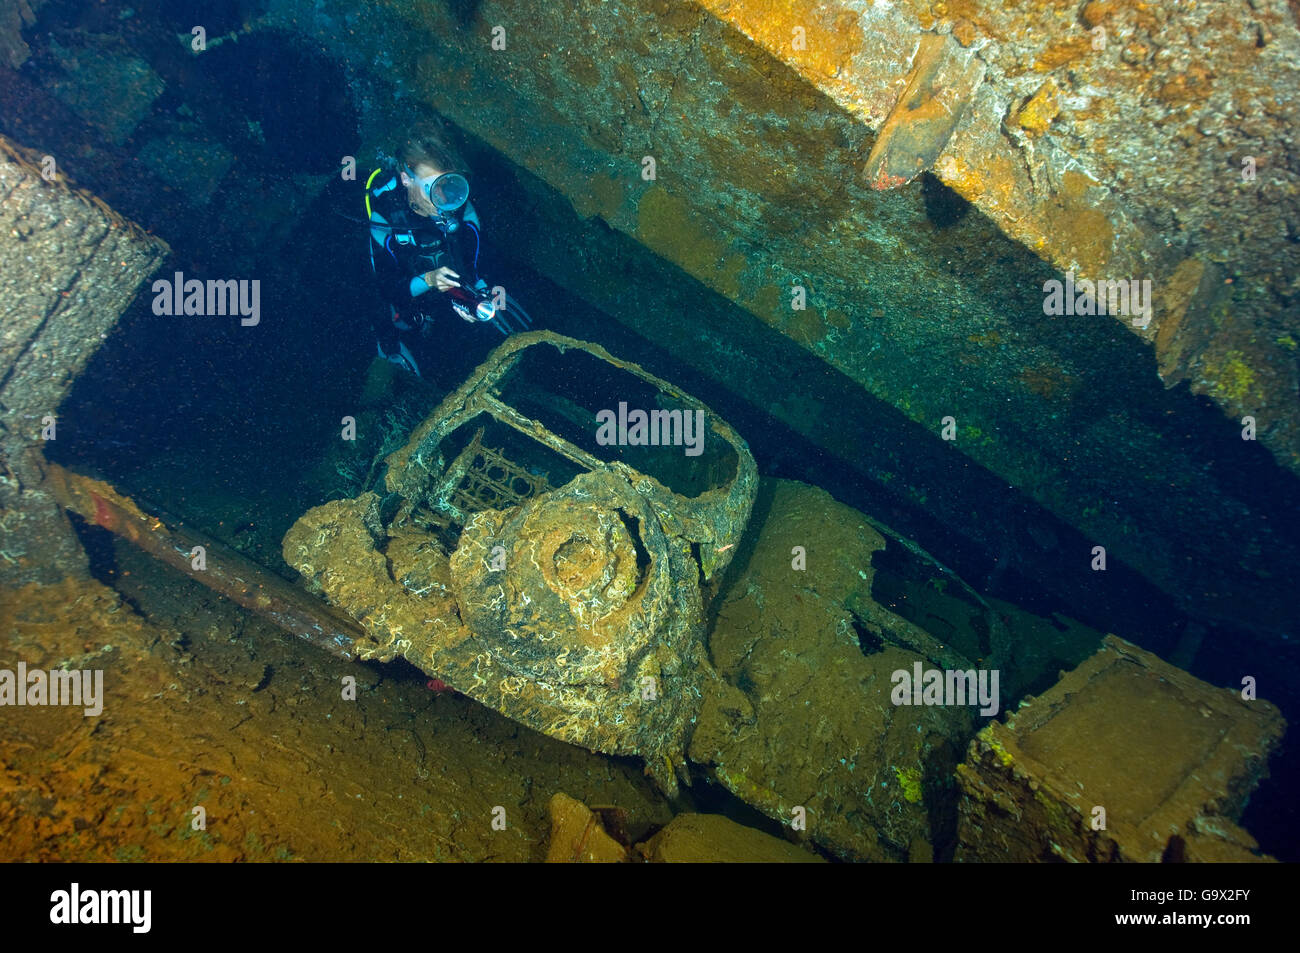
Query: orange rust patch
[[963, 31], [1192, 86], [1037, 114], [1095, 11], [1062, 52], [832, 37], [965, 15]]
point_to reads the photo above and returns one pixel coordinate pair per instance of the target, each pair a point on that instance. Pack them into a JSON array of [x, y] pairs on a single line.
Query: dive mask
[[448, 192]]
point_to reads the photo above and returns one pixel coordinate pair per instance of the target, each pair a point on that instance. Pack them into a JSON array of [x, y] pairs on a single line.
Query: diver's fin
[[520, 314], [512, 319]]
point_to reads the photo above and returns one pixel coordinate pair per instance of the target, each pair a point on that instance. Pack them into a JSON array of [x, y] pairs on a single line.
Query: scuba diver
[[424, 245]]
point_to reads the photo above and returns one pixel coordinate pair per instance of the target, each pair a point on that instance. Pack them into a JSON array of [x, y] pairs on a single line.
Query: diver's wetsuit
[[403, 246]]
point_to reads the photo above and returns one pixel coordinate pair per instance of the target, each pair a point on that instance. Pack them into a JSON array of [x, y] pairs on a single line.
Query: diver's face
[[415, 188]]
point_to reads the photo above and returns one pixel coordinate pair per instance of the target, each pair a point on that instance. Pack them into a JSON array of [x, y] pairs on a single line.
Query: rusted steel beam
[[942, 82], [226, 572]]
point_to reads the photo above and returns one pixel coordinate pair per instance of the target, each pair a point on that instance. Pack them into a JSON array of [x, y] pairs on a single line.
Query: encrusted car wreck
[[512, 551], [545, 573]]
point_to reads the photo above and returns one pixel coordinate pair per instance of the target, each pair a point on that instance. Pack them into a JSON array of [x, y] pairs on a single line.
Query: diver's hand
[[441, 279]]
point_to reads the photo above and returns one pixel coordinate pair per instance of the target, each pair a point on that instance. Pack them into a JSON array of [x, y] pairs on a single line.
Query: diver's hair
[[431, 144]]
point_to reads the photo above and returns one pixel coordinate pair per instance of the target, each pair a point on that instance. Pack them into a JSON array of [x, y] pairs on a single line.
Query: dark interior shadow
[[465, 11]]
